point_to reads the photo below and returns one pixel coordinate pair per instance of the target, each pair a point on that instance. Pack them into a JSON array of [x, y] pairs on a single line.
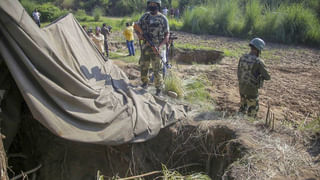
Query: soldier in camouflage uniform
[[251, 74], [155, 26]]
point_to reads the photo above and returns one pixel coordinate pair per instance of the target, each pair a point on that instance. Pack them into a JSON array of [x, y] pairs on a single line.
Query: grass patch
[[175, 24], [173, 83], [124, 57], [286, 22], [196, 91], [230, 53], [117, 24], [313, 126], [192, 46]]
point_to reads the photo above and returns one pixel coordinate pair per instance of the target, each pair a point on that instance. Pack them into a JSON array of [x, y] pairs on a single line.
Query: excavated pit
[[191, 56], [194, 146]]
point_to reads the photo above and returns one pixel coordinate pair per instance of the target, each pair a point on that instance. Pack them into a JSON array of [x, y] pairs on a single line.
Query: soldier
[[251, 74], [154, 25], [105, 31]]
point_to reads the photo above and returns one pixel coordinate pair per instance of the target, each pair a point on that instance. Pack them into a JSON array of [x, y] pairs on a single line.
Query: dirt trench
[[191, 146]]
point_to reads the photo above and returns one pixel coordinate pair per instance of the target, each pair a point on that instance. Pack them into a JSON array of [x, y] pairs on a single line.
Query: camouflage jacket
[[105, 32], [154, 26], [251, 74]]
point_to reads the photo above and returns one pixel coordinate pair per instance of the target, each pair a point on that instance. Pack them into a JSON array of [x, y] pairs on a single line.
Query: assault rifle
[[147, 39]]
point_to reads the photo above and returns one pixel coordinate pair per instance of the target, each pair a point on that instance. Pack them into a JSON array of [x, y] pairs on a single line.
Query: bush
[[226, 18], [300, 24], [272, 28], [282, 21], [97, 13], [29, 6], [175, 24], [252, 17], [198, 20], [50, 12], [173, 83], [81, 15]]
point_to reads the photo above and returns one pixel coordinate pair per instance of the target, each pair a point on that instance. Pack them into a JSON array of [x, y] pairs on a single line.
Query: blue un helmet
[[257, 43]]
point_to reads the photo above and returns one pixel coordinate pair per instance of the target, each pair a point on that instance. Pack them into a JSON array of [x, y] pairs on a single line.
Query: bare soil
[[223, 148], [293, 91]]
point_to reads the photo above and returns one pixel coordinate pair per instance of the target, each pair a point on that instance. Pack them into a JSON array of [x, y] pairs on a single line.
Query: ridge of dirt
[[293, 91], [294, 88]]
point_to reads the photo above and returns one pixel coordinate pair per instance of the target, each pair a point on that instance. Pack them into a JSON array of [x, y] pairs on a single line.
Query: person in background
[[177, 13], [165, 11], [90, 33], [36, 16], [171, 12], [105, 31], [84, 27], [128, 33], [98, 40], [251, 74]]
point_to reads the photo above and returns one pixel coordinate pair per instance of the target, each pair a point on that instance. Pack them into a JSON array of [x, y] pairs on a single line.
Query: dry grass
[[277, 154]]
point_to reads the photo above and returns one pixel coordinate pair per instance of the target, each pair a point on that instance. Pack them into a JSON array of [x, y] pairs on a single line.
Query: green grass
[[173, 83], [196, 91], [312, 127], [287, 22], [123, 56], [117, 24], [175, 24]]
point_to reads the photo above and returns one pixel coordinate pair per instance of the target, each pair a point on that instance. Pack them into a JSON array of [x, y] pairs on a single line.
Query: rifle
[[149, 42], [146, 37]]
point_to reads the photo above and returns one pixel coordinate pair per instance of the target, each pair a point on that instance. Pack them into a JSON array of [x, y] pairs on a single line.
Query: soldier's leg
[[144, 67], [243, 104], [253, 107], [157, 70], [106, 48]]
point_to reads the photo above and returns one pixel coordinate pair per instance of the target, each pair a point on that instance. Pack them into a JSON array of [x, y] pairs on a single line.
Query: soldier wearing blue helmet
[[251, 74]]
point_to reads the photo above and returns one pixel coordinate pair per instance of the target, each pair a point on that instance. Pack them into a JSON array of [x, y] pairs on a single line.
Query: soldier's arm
[[263, 71]]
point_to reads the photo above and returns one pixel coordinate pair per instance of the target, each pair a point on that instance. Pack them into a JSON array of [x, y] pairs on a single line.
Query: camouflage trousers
[[249, 105], [147, 58]]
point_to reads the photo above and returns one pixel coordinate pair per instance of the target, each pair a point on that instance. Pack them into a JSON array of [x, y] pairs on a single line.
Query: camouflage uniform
[[105, 32], [251, 74], [155, 27]]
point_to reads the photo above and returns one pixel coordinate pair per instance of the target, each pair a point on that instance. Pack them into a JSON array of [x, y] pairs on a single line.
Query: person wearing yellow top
[[128, 33]]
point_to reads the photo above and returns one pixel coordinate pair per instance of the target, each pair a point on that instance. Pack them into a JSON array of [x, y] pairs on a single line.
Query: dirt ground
[[293, 91]]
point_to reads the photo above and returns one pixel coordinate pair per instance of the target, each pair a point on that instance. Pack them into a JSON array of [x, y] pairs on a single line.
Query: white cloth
[[36, 15], [165, 11]]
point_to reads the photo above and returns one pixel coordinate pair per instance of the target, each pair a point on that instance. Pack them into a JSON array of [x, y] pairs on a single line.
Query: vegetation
[[283, 21], [174, 83], [286, 21], [196, 91]]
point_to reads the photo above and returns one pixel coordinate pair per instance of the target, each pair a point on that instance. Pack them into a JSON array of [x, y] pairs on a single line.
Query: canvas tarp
[[70, 88]]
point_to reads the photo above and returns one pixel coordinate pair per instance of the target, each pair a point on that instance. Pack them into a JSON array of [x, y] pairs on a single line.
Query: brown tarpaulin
[[69, 87]]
